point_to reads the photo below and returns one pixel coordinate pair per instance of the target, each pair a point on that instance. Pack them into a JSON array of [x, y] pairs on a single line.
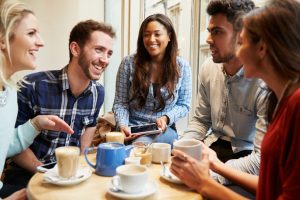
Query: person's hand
[[190, 171], [212, 155], [162, 123], [18, 195], [51, 122], [128, 135]]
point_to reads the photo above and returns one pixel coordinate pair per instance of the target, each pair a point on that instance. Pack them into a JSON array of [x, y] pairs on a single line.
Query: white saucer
[[170, 177], [51, 176], [149, 189]]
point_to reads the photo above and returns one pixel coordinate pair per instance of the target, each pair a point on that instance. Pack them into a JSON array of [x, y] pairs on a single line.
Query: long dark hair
[[283, 18], [142, 75]]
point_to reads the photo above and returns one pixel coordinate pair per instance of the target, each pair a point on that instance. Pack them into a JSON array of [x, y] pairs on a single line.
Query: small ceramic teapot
[[109, 156]]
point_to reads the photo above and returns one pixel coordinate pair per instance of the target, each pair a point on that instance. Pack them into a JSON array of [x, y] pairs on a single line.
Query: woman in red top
[[270, 50]]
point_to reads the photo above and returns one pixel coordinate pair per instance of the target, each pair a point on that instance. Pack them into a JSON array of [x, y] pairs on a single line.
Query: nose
[[209, 39], [104, 58], [152, 37], [39, 41]]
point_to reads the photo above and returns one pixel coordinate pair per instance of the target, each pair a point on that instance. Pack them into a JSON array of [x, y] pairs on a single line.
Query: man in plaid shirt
[[71, 93]]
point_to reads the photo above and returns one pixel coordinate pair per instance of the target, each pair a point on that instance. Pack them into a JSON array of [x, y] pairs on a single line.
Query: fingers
[[51, 122], [162, 123]]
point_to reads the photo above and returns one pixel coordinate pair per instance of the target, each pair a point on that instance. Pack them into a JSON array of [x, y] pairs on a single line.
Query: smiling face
[[95, 55], [156, 39], [24, 44], [221, 39]]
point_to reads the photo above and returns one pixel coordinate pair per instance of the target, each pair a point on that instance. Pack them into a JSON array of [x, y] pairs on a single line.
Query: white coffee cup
[[130, 178], [161, 152], [67, 158], [191, 147], [115, 137], [133, 160]]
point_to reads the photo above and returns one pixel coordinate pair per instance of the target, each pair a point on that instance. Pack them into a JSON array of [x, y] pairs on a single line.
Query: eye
[[215, 32], [146, 35], [31, 33]]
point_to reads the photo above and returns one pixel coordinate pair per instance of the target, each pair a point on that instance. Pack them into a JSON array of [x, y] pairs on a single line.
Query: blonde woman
[[19, 42]]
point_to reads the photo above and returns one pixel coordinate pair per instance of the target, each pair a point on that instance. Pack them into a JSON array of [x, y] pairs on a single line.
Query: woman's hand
[[162, 123], [190, 171], [50, 122], [128, 135], [18, 195]]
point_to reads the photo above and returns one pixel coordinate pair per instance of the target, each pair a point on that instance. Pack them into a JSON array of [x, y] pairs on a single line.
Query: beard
[[229, 56], [224, 59], [84, 65]]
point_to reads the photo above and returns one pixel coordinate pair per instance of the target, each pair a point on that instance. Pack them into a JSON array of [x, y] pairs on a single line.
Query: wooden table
[[95, 188]]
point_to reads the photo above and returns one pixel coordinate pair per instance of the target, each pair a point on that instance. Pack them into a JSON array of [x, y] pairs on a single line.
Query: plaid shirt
[[49, 93], [175, 108]]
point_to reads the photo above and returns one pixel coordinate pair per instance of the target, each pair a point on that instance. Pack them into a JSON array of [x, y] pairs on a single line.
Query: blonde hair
[[12, 12]]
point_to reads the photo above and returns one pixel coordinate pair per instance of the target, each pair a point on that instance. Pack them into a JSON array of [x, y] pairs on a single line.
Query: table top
[[96, 187]]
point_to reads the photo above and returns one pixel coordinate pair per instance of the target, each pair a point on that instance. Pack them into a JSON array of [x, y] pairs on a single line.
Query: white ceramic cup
[[130, 178], [191, 147], [161, 152], [115, 137], [67, 158], [133, 160]]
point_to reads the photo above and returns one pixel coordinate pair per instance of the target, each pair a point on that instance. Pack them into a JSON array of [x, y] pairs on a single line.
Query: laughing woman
[[153, 85], [19, 42]]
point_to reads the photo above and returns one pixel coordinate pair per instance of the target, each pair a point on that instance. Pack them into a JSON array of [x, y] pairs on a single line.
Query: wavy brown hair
[[277, 25], [170, 75]]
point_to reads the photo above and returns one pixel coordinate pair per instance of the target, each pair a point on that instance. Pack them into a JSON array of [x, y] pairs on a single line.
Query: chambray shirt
[[231, 107], [49, 93], [175, 108]]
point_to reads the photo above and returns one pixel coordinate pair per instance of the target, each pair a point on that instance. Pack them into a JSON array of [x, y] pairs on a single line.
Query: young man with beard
[[230, 116], [71, 93]]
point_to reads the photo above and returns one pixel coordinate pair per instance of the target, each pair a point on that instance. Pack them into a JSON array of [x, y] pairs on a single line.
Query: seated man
[[230, 116], [71, 93]]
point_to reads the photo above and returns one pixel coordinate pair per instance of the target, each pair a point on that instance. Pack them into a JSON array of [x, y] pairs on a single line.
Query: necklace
[[3, 98], [283, 94]]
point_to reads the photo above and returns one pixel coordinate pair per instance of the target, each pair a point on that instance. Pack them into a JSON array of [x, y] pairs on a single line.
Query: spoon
[[165, 170]]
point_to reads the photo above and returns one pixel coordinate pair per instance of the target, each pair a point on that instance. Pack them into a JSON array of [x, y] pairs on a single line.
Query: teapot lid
[[111, 145]]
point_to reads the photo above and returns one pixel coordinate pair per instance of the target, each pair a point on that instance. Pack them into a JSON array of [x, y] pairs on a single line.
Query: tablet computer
[[145, 129]]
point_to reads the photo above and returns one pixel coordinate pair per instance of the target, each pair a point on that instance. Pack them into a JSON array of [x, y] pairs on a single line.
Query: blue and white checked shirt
[[175, 108], [49, 93]]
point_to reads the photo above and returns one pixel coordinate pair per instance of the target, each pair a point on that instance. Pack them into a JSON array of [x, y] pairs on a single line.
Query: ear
[[75, 49], [262, 49], [2, 45]]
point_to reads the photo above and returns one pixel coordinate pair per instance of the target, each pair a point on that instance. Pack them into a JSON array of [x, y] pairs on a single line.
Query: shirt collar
[[65, 81]]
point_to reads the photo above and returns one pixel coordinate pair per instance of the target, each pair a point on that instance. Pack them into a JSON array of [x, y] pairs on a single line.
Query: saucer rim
[[168, 179], [70, 182], [143, 194]]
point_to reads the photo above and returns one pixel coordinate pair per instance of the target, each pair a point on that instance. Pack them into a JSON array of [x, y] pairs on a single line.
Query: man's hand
[[51, 122]]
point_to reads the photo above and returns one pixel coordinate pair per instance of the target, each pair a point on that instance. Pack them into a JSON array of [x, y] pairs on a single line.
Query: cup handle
[[86, 158], [115, 181]]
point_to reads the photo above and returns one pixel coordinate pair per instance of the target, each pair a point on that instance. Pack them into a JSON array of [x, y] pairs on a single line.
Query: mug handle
[[86, 158], [115, 182]]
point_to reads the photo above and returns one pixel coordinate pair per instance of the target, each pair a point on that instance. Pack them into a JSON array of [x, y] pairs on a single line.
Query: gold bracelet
[[35, 126]]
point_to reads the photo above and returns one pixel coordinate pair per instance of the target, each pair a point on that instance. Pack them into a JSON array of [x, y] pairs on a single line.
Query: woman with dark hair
[[154, 84], [270, 50]]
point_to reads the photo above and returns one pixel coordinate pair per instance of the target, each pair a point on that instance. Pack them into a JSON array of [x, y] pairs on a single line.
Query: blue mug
[[109, 156]]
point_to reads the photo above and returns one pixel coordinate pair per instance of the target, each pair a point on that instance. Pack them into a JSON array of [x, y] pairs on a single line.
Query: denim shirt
[[175, 108], [231, 107]]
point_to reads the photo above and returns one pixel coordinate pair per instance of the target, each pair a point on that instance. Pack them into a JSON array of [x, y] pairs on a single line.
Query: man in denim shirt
[[230, 116], [71, 93]]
